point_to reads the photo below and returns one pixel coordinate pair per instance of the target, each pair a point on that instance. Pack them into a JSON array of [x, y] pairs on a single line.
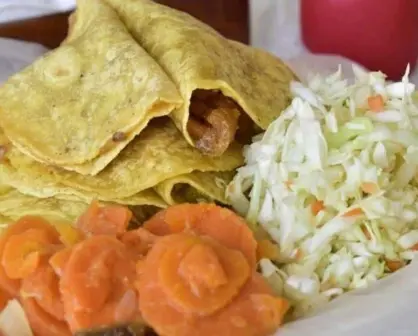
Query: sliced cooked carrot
[[267, 249], [109, 219], [122, 310], [317, 206], [22, 253], [11, 286], [69, 235], [59, 260], [4, 299], [354, 213], [219, 223], [255, 311], [376, 103], [98, 275], [369, 187], [41, 322], [42, 286], [118, 215], [138, 241], [200, 276]]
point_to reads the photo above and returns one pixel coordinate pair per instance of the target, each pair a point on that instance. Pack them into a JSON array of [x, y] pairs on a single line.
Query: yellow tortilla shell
[[14, 205], [195, 56], [160, 152], [66, 107], [35, 179], [195, 187]]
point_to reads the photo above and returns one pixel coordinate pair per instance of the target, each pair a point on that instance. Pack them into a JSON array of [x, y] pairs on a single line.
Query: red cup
[[378, 34]]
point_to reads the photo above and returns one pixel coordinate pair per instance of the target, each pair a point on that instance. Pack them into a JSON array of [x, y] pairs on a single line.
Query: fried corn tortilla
[[14, 205], [224, 84], [82, 103], [35, 179], [159, 153], [195, 187]]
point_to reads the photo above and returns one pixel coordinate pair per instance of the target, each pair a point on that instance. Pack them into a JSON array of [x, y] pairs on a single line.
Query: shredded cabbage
[[334, 183]]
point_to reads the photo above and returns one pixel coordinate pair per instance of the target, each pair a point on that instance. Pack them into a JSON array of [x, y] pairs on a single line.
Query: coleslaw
[[333, 182]]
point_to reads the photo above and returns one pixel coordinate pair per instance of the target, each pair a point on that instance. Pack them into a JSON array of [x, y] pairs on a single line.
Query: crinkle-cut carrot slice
[[98, 274], [254, 312], [22, 252], [210, 220], [108, 219], [199, 275], [12, 286], [59, 260], [41, 322], [43, 286], [138, 241]]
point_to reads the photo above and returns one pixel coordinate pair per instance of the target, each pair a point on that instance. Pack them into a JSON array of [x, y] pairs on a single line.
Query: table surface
[[229, 17]]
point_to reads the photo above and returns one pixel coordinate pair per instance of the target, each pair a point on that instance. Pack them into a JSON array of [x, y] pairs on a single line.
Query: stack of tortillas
[[141, 105]]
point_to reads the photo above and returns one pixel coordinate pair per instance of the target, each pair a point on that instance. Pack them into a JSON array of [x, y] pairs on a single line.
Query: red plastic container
[[379, 34]]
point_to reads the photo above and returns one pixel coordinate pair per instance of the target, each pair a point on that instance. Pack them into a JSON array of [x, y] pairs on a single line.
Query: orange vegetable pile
[[191, 269]]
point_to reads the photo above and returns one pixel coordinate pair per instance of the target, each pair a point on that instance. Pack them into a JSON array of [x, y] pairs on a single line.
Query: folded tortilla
[[159, 153], [14, 205], [195, 187], [81, 104], [198, 59]]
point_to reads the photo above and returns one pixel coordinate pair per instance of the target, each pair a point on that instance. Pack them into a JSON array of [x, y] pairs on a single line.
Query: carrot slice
[[4, 299], [316, 207], [41, 322], [110, 219], [255, 311], [138, 241], [11, 286], [22, 253], [43, 286], [200, 276], [219, 223], [376, 103], [69, 235], [98, 275], [59, 260]]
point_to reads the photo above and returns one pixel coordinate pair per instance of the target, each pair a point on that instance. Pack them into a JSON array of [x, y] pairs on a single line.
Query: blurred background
[[311, 35]]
